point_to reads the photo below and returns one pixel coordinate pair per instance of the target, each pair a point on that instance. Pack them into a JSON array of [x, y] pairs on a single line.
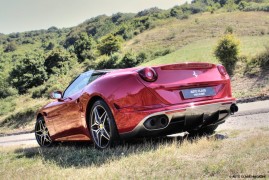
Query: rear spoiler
[[187, 66]]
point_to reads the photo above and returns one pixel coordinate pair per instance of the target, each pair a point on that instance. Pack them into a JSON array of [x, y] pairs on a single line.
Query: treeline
[[33, 62]]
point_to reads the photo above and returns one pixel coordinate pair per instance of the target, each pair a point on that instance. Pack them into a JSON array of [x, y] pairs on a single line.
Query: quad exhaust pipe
[[233, 108], [156, 122]]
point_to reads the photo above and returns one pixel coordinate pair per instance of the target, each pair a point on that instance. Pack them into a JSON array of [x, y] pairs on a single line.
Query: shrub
[[50, 46], [108, 62], [260, 61], [83, 45], [128, 60], [5, 88], [39, 91], [29, 72], [59, 61], [227, 51], [141, 57], [242, 5], [10, 47], [230, 5], [109, 44], [162, 52]]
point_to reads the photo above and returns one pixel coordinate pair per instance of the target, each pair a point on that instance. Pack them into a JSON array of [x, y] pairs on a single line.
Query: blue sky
[[26, 15]]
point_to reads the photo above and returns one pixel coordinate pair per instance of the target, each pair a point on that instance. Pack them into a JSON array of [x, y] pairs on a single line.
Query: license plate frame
[[198, 92]]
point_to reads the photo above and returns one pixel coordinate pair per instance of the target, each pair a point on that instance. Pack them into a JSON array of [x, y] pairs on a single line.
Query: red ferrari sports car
[[106, 105]]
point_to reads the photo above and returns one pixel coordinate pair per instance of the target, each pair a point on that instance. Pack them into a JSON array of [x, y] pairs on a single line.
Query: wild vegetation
[[34, 63], [204, 157]]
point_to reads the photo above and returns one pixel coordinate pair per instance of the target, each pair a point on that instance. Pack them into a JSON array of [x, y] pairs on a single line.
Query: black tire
[[42, 133], [102, 126], [208, 130]]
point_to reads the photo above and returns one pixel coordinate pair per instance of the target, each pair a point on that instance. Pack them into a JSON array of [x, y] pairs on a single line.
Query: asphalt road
[[250, 115]]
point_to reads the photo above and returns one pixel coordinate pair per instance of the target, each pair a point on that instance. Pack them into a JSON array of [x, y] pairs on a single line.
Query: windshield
[[78, 84]]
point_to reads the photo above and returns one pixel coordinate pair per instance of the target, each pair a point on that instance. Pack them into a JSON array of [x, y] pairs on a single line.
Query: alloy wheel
[[42, 133], [100, 127]]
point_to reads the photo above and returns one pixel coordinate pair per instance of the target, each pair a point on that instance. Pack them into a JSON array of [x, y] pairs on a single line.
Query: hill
[[34, 63]]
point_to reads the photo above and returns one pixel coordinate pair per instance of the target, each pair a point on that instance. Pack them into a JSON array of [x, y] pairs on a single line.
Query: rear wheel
[[42, 133], [103, 128]]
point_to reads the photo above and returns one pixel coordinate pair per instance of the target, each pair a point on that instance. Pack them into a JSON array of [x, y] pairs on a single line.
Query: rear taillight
[[222, 70], [148, 74]]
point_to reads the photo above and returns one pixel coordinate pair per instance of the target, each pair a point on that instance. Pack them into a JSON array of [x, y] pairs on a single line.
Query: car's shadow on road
[[82, 154]]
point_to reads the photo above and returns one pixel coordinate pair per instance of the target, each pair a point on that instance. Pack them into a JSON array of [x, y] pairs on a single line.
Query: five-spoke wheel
[[102, 125], [42, 133]]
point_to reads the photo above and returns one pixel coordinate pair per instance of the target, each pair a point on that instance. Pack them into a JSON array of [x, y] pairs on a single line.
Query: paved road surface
[[250, 115]]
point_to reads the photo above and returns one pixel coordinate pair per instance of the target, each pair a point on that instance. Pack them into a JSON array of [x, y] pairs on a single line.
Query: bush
[[227, 51], [141, 57], [59, 61], [50, 46], [109, 44], [256, 7], [10, 47], [29, 72], [162, 52], [242, 5], [230, 5], [39, 91], [260, 62], [83, 45], [129, 60], [108, 62], [5, 88]]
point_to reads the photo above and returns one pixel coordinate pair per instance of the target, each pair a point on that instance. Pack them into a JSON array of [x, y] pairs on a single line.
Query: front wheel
[[103, 128], [42, 133]]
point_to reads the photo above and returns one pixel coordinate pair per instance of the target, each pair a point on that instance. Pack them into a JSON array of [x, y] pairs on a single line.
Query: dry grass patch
[[22, 117], [178, 33], [152, 159]]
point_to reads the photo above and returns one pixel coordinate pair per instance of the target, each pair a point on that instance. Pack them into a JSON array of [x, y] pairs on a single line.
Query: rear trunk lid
[[189, 82]]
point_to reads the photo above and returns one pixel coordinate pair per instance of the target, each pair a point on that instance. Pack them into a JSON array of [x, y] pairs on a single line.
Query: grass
[[163, 159], [20, 117], [202, 51], [176, 33]]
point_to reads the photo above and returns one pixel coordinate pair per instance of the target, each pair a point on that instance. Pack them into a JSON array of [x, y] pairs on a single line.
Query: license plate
[[198, 92]]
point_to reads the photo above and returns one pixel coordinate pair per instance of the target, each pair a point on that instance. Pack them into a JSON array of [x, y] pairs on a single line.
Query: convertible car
[[104, 106]]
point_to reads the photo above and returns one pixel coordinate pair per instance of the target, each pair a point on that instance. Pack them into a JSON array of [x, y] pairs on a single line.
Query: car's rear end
[[191, 96]]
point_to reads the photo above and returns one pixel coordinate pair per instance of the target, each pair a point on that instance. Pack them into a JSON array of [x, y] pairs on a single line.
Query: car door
[[68, 122]]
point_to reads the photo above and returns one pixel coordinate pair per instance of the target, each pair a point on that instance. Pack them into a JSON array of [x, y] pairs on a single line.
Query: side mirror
[[56, 95]]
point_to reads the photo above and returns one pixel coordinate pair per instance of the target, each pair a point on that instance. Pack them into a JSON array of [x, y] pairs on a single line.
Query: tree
[[59, 61], [83, 45], [5, 88], [29, 72], [12, 46], [128, 60], [50, 46], [227, 51], [109, 44]]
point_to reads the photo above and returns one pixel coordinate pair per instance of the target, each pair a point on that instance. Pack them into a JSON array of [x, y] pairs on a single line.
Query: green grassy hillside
[[174, 33], [202, 50], [151, 37]]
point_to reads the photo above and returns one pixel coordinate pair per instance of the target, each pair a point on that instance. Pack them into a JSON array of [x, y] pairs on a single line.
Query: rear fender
[[125, 94]]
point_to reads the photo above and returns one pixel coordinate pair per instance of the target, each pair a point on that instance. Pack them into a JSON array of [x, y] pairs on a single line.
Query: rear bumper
[[184, 117]]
